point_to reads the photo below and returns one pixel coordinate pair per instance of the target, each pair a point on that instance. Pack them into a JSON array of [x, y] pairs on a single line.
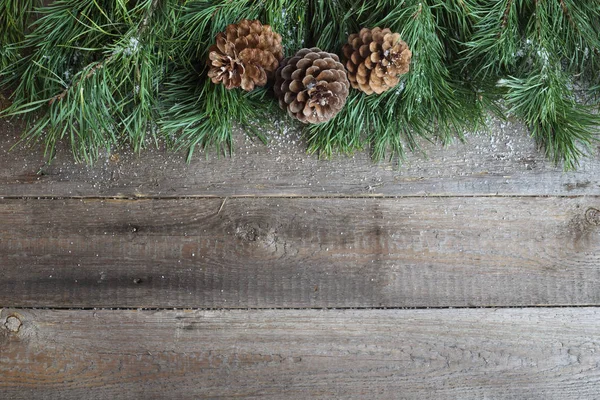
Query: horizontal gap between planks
[[287, 196], [296, 308]]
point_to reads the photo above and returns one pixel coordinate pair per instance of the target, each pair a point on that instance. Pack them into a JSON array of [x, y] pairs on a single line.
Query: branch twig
[[506, 14], [143, 26], [91, 72]]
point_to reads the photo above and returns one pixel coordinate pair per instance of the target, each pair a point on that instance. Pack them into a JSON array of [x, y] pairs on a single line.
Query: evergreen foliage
[[128, 73]]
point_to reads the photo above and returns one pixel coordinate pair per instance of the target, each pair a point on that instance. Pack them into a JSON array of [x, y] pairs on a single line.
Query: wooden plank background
[[538, 354], [262, 255], [407, 252], [504, 161]]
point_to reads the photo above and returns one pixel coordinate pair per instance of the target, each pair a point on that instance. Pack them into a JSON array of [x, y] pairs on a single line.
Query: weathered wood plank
[[406, 252], [505, 162], [464, 354]]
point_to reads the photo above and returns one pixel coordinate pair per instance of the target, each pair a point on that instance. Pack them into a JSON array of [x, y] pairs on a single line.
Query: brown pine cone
[[312, 85], [376, 59], [246, 54]]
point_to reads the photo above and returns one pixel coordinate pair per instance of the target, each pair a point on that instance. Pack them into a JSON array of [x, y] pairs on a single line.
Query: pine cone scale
[[327, 75], [297, 74], [303, 63], [295, 106], [296, 86], [364, 51], [290, 97]]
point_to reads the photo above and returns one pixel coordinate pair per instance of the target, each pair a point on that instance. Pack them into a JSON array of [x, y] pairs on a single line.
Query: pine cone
[[312, 85], [246, 54], [376, 58]]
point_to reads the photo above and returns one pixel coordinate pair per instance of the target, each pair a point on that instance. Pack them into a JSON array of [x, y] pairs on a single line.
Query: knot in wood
[[592, 216], [13, 324], [248, 233]]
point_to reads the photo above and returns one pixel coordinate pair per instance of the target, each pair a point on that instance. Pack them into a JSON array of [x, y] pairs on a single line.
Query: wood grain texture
[[263, 253], [505, 162], [536, 354]]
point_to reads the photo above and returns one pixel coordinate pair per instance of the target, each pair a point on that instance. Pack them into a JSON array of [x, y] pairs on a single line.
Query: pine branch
[[437, 101], [203, 116], [495, 45], [91, 71], [542, 94], [438, 106], [576, 27], [105, 74], [561, 126], [99, 86], [345, 132], [540, 47], [333, 21], [14, 18], [289, 18]]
